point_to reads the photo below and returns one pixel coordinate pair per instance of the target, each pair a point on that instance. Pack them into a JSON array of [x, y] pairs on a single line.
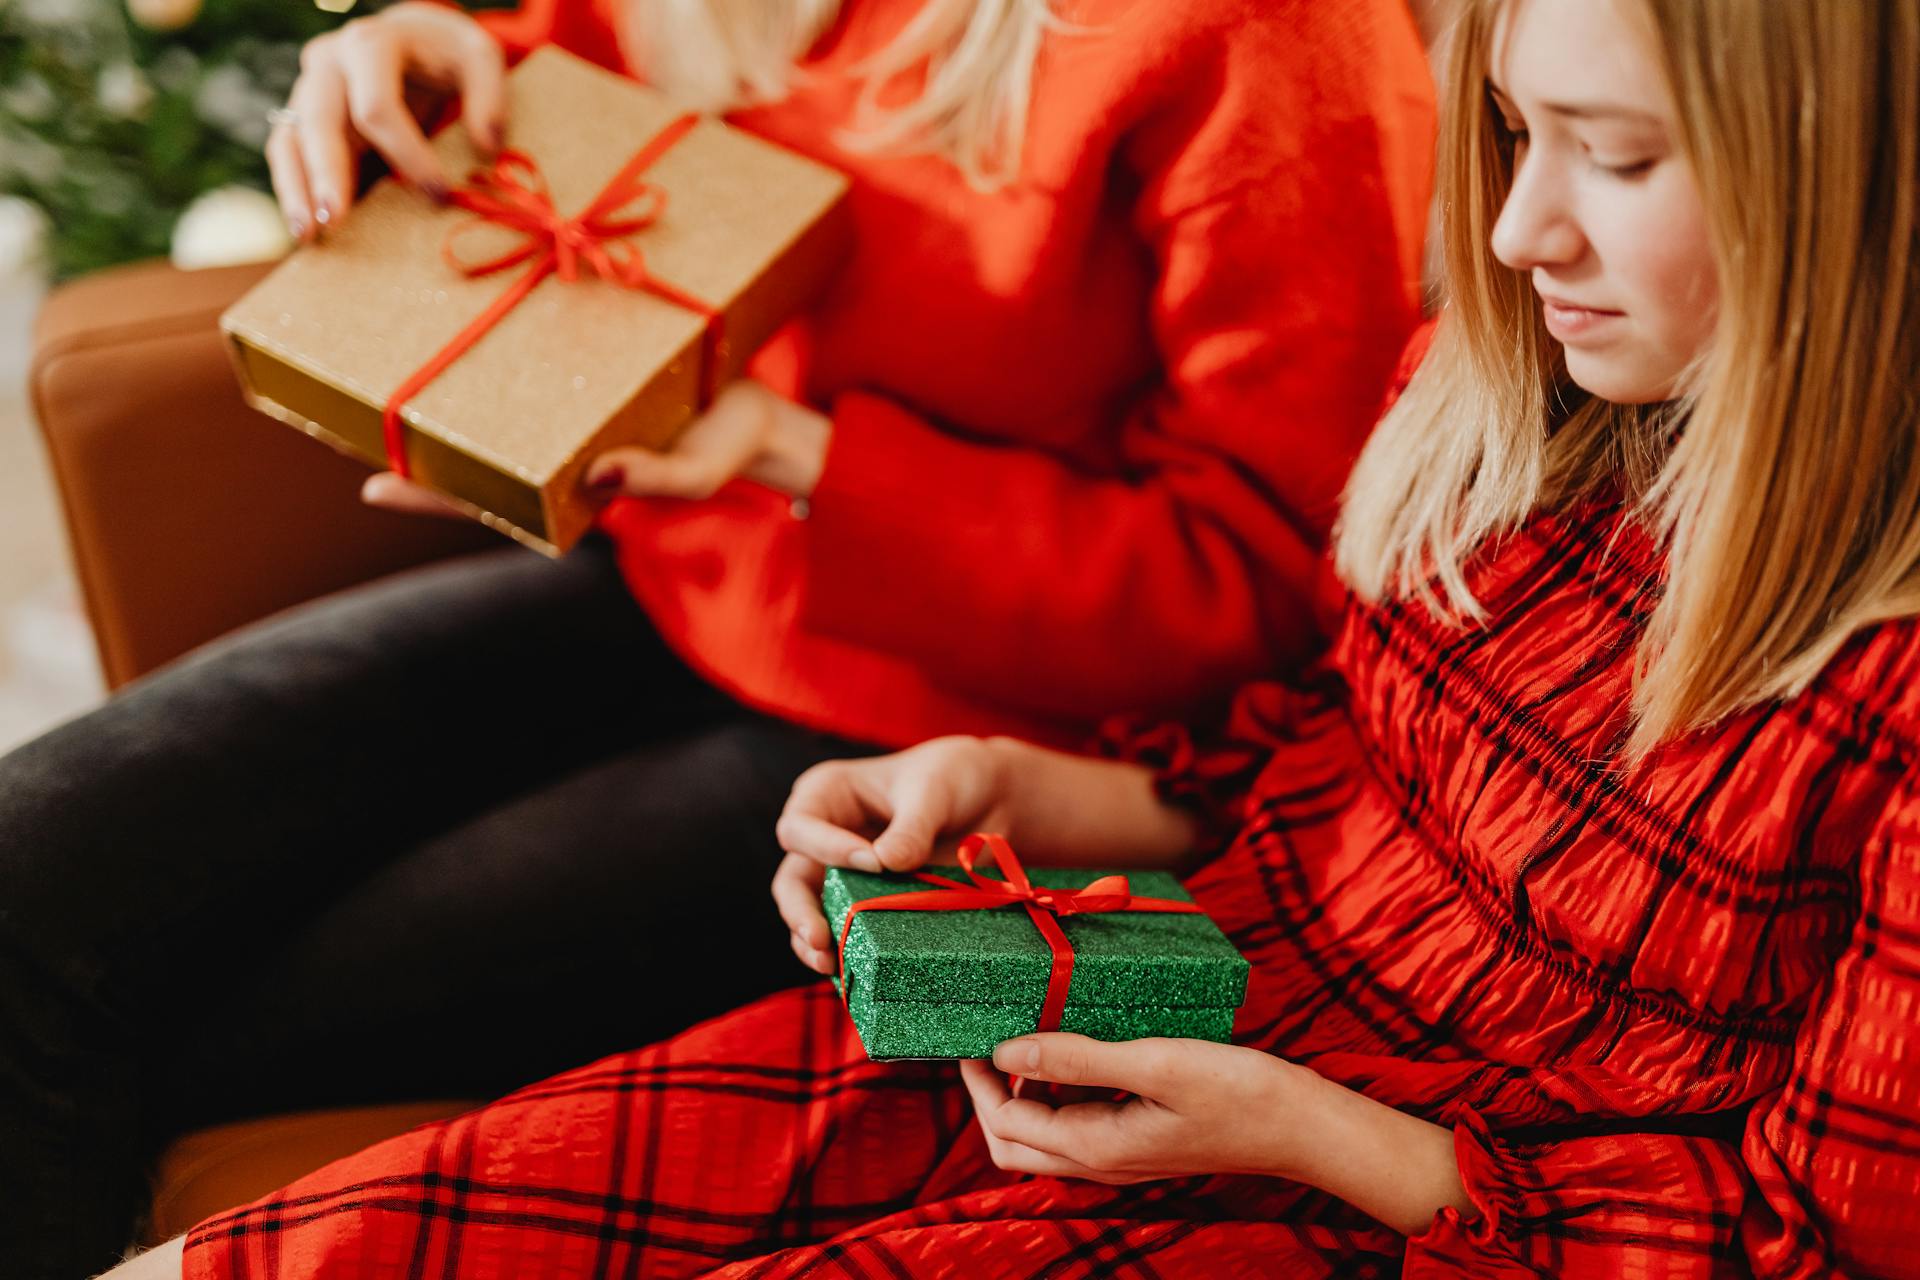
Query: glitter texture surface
[[952, 984]]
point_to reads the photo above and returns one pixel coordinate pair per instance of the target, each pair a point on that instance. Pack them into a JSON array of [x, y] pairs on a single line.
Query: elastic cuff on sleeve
[[1491, 1174], [1211, 786]]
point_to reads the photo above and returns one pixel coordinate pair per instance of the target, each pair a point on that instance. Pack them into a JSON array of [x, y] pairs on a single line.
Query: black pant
[[435, 837]]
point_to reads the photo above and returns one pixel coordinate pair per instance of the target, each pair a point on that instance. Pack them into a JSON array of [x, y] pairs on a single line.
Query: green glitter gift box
[[955, 983]]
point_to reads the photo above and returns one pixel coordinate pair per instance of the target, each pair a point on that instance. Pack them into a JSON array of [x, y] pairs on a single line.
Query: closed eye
[[1625, 172]]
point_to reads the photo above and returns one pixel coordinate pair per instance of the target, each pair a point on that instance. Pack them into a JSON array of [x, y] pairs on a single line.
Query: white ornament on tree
[[29, 99], [123, 91], [163, 15], [229, 225], [56, 14], [23, 242]]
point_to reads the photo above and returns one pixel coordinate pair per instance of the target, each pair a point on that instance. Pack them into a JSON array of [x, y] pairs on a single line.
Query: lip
[[1570, 321]]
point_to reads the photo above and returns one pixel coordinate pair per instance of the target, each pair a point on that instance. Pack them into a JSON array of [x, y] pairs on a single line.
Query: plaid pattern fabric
[[1671, 1012]]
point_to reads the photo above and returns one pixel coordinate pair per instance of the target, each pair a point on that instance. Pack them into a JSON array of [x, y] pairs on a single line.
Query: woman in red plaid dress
[[1581, 883]]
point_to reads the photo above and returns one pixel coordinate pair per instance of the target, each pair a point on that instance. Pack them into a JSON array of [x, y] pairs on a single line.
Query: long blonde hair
[[1784, 482], [977, 57]]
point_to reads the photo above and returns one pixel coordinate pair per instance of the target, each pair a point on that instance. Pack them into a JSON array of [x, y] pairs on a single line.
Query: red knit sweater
[[1089, 430]]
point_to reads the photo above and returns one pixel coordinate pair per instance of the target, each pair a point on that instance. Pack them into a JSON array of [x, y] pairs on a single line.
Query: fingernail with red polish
[[437, 192], [607, 481]]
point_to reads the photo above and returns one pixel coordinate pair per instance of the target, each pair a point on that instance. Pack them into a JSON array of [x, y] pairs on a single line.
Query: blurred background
[[129, 129]]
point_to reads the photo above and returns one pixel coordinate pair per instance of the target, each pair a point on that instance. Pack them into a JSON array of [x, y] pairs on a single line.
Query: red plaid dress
[[1671, 1013]]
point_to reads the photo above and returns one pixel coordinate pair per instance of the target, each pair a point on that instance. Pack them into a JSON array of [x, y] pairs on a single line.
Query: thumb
[[907, 843], [1136, 1066], [921, 804]]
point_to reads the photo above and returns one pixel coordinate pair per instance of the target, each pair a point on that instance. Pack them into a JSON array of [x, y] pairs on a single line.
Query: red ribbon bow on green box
[[1044, 906]]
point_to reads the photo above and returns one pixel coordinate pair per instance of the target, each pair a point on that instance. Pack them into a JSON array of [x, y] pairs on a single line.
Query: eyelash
[[1624, 172]]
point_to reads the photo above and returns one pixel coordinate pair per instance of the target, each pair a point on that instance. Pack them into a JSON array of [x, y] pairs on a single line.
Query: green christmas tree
[[115, 115]]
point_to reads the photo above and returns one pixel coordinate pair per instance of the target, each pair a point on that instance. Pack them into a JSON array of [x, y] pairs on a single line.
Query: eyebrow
[[1582, 110]]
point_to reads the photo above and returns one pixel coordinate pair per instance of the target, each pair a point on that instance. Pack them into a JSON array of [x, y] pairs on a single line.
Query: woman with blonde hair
[[1066, 434], [1581, 884]]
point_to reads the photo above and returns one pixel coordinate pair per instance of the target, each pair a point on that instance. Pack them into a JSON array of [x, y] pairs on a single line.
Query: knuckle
[[1008, 1156], [1104, 1151], [954, 745], [936, 787], [818, 777], [319, 50], [1158, 1069], [1071, 1063], [361, 33], [476, 44], [377, 114]]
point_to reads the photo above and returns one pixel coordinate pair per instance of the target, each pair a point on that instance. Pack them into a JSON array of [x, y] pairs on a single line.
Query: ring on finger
[[277, 116]]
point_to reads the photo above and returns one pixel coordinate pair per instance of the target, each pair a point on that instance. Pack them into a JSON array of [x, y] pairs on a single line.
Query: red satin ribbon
[[513, 193], [1044, 906]]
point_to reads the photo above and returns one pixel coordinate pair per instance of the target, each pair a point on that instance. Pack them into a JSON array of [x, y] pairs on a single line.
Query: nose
[[1537, 226]]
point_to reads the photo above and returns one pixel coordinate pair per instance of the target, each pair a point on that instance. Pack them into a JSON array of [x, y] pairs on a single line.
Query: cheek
[[1667, 269]]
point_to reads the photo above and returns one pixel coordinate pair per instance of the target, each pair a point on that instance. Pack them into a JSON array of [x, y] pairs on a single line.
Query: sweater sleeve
[[1825, 1181], [1282, 196], [589, 28], [1587, 1209]]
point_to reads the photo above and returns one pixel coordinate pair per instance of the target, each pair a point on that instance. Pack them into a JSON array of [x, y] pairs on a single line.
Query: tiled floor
[[47, 666]]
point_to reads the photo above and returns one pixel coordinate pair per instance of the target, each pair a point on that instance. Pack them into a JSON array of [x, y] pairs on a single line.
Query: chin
[[1621, 380]]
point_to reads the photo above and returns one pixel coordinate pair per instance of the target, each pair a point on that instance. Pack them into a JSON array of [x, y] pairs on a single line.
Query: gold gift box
[[577, 367]]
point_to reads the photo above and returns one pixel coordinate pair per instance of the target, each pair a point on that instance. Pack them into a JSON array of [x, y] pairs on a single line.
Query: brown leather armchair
[[191, 514]]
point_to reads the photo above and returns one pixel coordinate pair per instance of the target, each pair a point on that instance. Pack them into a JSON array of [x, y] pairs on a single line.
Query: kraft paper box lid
[[579, 367]]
